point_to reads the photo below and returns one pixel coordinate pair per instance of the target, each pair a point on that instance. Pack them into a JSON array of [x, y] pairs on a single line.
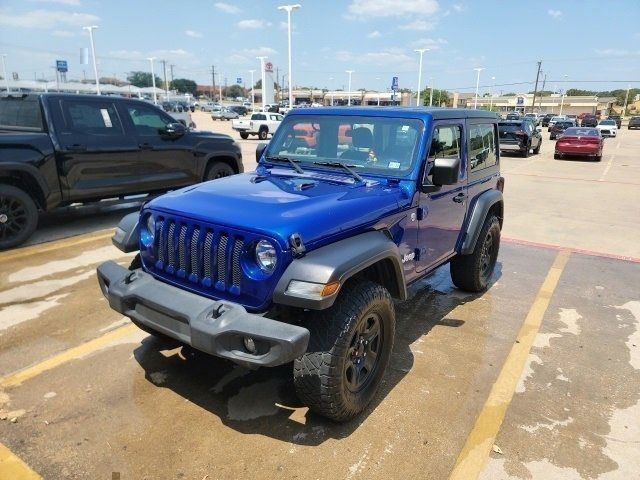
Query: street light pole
[[431, 92], [626, 100], [479, 69], [564, 91], [421, 52], [349, 93], [263, 79], [6, 79], [493, 79], [331, 87], [153, 80], [253, 92], [289, 9], [90, 29]]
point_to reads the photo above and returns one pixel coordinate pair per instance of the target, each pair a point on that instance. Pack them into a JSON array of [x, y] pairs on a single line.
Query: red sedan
[[580, 142]]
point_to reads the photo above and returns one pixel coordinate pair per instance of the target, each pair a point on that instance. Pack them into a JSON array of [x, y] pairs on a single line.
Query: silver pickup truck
[[260, 124]]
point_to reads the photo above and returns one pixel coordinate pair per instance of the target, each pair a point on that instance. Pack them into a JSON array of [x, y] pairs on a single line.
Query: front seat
[[362, 141]]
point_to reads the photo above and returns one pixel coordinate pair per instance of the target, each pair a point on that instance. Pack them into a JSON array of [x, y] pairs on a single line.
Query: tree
[[440, 97], [143, 79], [234, 91], [184, 85], [111, 81], [575, 92]]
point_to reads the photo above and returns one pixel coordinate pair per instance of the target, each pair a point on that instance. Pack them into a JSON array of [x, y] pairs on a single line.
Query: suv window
[[258, 116], [147, 121], [90, 117], [482, 146], [20, 113], [445, 142]]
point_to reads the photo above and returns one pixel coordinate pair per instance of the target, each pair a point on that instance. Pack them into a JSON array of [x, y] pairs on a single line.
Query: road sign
[[394, 84], [61, 66], [520, 101], [239, 80]]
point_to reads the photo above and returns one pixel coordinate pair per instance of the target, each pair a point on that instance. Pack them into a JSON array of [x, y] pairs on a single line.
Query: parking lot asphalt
[[537, 378]]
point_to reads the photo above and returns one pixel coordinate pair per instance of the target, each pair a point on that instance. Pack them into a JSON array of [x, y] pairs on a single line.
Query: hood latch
[[297, 246]]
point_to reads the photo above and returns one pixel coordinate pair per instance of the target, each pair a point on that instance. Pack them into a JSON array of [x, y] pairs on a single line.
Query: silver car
[[224, 114]]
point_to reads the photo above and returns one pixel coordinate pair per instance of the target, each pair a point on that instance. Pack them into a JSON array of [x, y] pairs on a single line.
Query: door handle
[[459, 198], [145, 146], [77, 148]]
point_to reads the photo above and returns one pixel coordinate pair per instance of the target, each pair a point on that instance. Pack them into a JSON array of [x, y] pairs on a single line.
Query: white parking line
[[606, 170]]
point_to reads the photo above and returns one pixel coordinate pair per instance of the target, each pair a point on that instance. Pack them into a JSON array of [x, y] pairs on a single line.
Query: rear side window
[[20, 114], [482, 146], [258, 116], [89, 117]]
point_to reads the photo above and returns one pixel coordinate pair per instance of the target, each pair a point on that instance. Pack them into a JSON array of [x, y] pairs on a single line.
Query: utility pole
[[544, 82], [626, 100], [4, 71], [171, 70], [166, 85], [535, 90], [213, 83]]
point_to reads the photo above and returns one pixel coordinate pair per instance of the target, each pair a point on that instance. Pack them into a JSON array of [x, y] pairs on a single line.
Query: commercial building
[[548, 104]]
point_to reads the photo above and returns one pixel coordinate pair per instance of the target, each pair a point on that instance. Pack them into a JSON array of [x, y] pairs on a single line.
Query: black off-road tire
[[244, 136], [473, 272], [18, 216], [263, 133], [525, 153], [325, 377], [218, 170]]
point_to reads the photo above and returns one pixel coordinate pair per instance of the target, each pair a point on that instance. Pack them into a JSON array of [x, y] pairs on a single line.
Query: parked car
[[554, 119], [617, 119], [589, 120], [58, 149], [224, 114], [513, 116], [301, 261], [534, 117], [574, 118], [580, 142], [580, 118], [239, 109], [209, 106], [247, 105], [559, 127], [545, 120], [519, 136], [608, 128], [634, 122], [260, 124]]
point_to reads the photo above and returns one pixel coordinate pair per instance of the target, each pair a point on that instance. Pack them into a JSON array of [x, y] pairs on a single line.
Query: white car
[[608, 128], [260, 124], [554, 120]]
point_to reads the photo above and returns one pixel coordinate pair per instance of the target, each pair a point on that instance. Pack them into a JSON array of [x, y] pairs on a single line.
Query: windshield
[[607, 122], [377, 145], [582, 132]]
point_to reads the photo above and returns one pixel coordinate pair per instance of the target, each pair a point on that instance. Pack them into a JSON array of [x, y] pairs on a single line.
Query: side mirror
[[174, 130], [445, 171], [260, 150]]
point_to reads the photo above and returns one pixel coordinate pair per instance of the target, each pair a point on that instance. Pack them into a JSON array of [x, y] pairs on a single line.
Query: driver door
[[443, 209], [163, 162]]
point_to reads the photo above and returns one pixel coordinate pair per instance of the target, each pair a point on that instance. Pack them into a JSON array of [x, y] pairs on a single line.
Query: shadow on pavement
[[264, 401]]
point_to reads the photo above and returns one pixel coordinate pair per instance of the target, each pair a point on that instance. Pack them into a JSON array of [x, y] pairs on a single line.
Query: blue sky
[[591, 42]]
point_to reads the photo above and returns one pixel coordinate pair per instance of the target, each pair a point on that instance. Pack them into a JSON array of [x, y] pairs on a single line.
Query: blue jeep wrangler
[[300, 260]]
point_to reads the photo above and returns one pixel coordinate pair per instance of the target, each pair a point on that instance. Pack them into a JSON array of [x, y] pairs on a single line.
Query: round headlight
[[148, 231], [266, 256]]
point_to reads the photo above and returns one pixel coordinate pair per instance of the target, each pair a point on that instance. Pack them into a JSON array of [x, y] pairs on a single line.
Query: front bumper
[[214, 327]]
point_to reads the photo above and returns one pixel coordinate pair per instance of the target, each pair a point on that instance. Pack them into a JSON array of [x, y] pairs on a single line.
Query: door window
[[445, 142], [482, 146], [147, 121], [90, 117]]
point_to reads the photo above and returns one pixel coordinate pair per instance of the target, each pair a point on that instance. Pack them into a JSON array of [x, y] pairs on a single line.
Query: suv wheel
[[262, 134], [537, 149], [525, 152], [244, 135], [218, 170], [349, 349], [473, 272], [18, 216]]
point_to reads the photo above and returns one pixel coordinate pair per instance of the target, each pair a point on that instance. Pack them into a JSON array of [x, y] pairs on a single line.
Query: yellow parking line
[[56, 245], [480, 441], [81, 350], [12, 468]]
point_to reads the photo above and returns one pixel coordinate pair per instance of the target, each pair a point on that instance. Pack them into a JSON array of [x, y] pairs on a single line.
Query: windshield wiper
[[280, 158], [344, 167]]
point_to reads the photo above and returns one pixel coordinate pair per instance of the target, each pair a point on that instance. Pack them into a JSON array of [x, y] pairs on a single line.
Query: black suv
[[519, 136], [559, 127], [617, 118], [590, 121], [634, 122], [546, 119]]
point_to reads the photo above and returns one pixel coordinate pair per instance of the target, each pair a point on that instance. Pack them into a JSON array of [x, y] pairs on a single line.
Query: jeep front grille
[[200, 254]]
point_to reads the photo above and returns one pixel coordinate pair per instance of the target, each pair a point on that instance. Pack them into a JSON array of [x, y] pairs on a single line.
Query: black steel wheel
[[473, 272], [18, 216], [349, 349]]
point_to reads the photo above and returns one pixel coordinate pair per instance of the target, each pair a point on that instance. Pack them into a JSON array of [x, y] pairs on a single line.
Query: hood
[[315, 206]]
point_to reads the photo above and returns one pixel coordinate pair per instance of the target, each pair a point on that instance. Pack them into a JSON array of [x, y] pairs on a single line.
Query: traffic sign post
[[394, 89], [239, 80], [61, 66]]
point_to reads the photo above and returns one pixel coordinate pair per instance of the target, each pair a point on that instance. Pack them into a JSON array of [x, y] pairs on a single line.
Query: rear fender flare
[[479, 212]]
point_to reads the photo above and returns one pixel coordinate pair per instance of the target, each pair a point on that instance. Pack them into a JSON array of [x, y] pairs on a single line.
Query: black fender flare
[[6, 168], [339, 261], [484, 202], [127, 234]]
